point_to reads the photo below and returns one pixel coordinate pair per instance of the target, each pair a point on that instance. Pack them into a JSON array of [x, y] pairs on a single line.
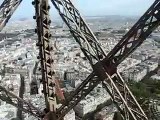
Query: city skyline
[[91, 8], [73, 70]]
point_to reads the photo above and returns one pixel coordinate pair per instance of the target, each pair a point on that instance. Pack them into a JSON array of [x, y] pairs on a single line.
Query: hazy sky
[[93, 7]]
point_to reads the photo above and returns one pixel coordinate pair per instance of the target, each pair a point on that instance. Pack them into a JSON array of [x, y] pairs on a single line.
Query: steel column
[[45, 55]]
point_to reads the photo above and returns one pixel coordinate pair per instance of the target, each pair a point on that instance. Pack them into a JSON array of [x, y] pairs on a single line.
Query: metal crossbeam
[[135, 37], [117, 89], [104, 67], [7, 8], [123, 98], [122, 95], [12, 99], [80, 30], [80, 93]]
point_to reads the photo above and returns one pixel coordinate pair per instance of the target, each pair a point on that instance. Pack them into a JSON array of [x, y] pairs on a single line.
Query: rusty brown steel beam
[[108, 71], [117, 88], [80, 30], [134, 37], [7, 9], [14, 100], [45, 56]]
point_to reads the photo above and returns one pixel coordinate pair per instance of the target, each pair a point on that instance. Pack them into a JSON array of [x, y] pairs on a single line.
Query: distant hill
[[108, 17], [23, 19], [113, 18]]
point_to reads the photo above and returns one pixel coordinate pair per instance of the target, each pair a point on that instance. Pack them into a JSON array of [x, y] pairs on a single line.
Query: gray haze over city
[[92, 8]]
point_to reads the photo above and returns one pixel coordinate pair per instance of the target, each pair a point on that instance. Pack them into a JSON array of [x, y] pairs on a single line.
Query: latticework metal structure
[[104, 65]]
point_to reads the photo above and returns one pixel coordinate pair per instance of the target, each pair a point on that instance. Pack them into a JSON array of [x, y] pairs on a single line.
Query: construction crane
[[104, 66]]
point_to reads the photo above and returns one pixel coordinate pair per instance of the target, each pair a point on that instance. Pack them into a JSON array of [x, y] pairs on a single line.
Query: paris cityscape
[[20, 68]]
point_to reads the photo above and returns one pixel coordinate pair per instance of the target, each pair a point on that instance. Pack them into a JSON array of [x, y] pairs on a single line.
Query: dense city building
[[18, 53]]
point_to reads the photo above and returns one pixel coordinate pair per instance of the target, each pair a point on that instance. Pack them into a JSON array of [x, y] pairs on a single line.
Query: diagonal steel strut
[[122, 95], [135, 36], [105, 69], [7, 8], [79, 29], [12, 99]]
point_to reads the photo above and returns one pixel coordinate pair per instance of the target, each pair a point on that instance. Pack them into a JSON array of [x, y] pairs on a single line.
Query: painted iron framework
[[104, 66]]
